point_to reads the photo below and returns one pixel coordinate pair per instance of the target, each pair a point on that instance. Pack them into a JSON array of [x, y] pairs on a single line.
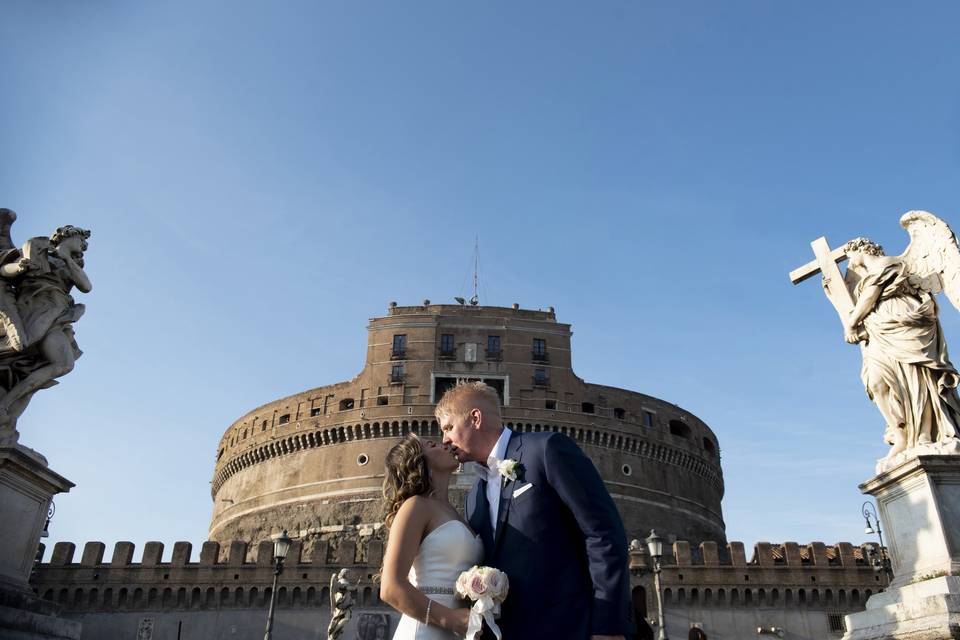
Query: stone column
[[919, 504], [26, 487]]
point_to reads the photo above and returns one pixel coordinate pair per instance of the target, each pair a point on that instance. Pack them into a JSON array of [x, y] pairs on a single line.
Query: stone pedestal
[[26, 487], [919, 505]]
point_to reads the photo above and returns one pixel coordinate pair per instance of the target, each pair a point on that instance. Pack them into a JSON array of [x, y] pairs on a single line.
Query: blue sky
[[261, 178]]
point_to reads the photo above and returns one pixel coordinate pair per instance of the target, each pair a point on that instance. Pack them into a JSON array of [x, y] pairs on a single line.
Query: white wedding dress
[[444, 554]]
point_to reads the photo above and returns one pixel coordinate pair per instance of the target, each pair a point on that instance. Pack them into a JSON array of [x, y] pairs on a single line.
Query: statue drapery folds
[[37, 313], [906, 369]]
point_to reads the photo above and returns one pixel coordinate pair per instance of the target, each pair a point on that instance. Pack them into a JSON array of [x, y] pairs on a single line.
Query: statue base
[[927, 610], [27, 486], [919, 505]]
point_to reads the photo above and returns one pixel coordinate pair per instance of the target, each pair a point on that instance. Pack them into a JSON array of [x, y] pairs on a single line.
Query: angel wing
[[933, 255]]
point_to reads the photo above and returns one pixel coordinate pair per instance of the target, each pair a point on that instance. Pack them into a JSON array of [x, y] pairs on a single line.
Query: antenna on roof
[[475, 300]]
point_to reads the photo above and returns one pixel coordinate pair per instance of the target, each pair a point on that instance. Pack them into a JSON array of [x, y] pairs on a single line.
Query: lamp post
[[869, 510], [655, 547], [281, 545]]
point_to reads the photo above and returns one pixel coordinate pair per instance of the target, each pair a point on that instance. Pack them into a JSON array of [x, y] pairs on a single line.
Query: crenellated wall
[[711, 584], [803, 590]]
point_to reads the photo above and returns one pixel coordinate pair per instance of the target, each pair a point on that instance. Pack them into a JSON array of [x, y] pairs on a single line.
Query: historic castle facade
[[312, 463]]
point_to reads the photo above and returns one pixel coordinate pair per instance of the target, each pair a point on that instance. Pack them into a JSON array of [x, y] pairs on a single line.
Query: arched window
[[709, 447], [346, 404]]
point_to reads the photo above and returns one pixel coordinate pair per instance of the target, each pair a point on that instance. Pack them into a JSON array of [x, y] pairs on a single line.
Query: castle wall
[[225, 595], [315, 459]]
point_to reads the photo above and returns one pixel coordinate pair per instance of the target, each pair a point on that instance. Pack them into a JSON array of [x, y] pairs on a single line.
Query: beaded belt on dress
[[445, 590]]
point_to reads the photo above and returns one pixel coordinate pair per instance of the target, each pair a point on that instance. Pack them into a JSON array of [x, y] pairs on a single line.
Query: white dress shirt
[[494, 477]]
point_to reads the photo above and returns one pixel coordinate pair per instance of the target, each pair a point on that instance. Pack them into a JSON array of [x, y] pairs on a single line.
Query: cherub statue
[[37, 313], [342, 588], [906, 370]]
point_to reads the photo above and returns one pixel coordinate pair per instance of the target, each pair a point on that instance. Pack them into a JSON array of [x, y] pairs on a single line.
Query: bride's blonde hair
[[406, 476]]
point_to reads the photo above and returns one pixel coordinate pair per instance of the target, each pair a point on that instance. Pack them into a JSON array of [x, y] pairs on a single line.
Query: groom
[[546, 520]]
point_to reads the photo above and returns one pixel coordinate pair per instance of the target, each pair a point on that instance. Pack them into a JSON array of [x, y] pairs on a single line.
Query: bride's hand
[[460, 619]]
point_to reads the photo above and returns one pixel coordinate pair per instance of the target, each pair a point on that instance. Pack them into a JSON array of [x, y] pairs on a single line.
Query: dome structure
[[313, 462]]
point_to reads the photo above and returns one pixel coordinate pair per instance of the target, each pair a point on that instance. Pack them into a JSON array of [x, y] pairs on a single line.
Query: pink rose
[[462, 586], [478, 585]]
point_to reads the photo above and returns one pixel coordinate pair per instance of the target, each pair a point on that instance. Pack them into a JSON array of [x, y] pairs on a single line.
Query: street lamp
[[655, 547], [281, 545], [869, 510]]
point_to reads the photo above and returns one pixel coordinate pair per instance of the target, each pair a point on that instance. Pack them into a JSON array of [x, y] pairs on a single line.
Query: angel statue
[[343, 585], [37, 313], [906, 370]]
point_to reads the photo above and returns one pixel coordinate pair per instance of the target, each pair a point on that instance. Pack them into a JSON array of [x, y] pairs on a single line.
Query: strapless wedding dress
[[444, 554]]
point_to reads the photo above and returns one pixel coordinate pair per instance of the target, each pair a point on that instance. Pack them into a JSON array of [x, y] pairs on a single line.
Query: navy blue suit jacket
[[561, 543]]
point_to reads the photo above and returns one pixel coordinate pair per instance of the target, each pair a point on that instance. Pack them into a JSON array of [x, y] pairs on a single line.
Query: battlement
[[237, 554], [240, 575], [787, 574], [765, 555], [470, 310]]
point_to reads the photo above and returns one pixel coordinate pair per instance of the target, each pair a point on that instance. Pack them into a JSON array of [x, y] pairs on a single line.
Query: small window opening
[[586, 407], [284, 419], [619, 413], [678, 428], [346, 404]]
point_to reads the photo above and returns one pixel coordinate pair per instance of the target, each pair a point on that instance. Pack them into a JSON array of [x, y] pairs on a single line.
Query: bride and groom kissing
[[539, 512]]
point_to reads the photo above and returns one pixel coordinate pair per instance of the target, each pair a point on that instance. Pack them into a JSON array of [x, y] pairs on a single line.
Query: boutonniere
[[508, 469]]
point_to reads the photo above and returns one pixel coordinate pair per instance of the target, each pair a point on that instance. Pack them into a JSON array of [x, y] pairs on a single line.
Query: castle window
[[550, 404], [586, 407], [399, 346], [346, 404], [220, 455], [382, 400], [396, 374], [540, 350], [447, 348], [709, 447], [648, 418], [540, 377], [284, 419], [619, 413], [678, 428], [493, 348], [315, 412]]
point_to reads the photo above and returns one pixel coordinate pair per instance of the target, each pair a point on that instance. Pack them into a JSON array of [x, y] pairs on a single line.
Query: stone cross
[[834, 285]]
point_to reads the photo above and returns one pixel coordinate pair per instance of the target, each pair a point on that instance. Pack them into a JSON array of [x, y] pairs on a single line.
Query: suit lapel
[[514, 452]]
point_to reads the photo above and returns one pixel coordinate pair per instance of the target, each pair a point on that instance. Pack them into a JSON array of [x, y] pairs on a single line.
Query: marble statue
[[343, 586], [37, 313], [888, 308]]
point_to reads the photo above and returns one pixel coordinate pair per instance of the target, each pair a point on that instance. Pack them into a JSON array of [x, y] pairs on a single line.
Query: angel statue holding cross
[[887, 306]]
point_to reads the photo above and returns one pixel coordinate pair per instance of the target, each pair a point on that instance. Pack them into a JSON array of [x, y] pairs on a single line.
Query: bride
[[428, 543]]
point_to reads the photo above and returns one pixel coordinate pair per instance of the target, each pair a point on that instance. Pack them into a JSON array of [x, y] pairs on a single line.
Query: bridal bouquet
[[487, 587]]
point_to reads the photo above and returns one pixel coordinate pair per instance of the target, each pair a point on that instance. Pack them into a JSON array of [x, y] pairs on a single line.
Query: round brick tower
[[313, 462]]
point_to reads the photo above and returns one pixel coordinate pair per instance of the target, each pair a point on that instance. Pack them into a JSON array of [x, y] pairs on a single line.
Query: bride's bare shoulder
[[415, 506]]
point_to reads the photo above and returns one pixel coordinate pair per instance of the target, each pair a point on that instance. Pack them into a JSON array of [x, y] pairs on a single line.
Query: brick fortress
[[313, 463]]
